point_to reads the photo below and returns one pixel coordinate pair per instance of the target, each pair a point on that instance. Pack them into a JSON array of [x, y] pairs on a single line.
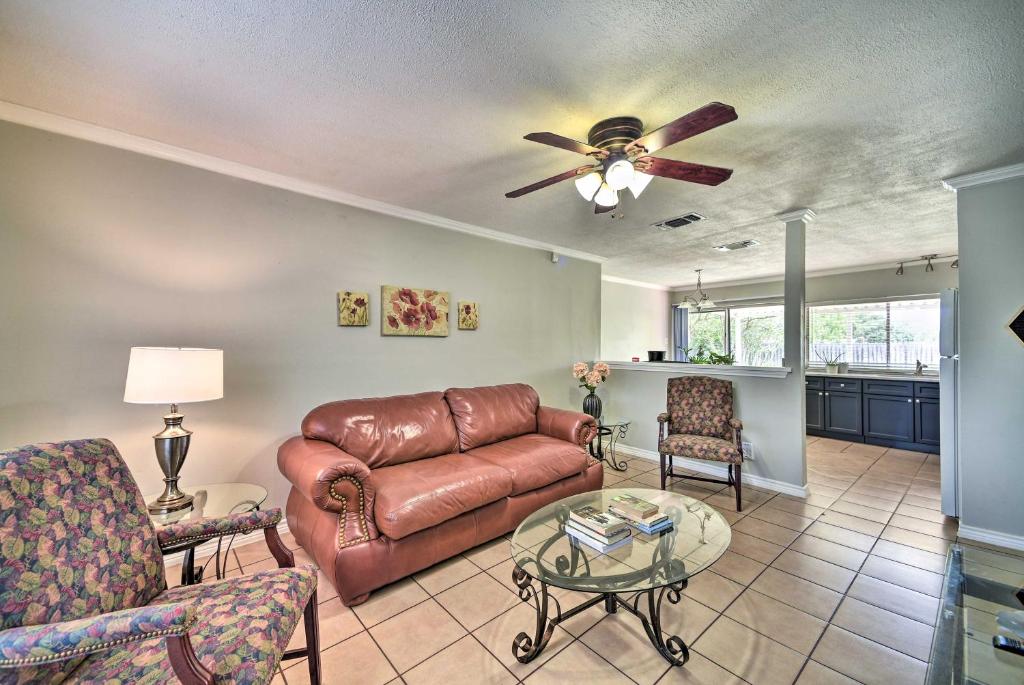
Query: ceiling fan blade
[[548, 182], [698, 121], [683, 171], [569, 144], [598, 209]]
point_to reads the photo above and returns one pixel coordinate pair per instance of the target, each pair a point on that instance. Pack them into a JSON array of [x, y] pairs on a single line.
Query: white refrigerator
[[949, 378]]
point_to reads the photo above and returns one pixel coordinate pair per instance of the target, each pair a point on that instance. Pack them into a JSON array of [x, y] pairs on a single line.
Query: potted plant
[[831, 362], [591, 378]]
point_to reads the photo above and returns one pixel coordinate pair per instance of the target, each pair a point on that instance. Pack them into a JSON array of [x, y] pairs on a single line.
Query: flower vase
[[592, 405]]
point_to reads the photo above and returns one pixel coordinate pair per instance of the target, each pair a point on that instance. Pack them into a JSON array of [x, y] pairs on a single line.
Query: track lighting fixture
[[928, 258], [899, 271], [955, 264]]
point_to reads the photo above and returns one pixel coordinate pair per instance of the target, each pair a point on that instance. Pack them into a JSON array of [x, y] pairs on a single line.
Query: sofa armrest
[[334, 481], [571, 426], [49, 643]]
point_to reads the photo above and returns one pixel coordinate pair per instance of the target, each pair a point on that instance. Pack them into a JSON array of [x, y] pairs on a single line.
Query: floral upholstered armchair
[[83, 597], [699, 425]]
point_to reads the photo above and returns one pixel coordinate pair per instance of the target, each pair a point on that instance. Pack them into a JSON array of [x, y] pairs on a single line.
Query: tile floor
[[838, 587]]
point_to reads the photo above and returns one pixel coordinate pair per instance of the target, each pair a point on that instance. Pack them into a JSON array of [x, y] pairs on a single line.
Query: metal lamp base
[[171, 449]]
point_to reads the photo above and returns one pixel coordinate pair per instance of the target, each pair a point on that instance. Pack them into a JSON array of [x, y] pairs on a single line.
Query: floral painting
[[469, 316], [413, 311], [353, 308]]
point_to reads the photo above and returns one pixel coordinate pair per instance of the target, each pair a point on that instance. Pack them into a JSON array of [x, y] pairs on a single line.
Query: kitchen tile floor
[[838, 587]]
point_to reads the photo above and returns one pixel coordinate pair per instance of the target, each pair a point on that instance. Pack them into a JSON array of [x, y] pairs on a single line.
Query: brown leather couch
[[385, 487]]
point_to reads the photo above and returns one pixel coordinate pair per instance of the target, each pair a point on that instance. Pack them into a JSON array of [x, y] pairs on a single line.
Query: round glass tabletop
[[212, 501], [698, 537], [613, 421]]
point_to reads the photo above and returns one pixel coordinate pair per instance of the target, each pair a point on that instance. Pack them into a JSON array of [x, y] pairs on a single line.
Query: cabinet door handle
[[820, 394], [918, 401], [909, 400], [826, 394], [842, 385]]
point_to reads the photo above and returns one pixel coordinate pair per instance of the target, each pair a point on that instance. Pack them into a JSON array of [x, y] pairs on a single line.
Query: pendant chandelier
[[698, 299]]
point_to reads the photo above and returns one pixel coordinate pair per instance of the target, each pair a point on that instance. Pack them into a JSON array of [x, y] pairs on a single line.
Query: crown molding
[[978, 178], [803, 214], [635, 284], [55, 123]]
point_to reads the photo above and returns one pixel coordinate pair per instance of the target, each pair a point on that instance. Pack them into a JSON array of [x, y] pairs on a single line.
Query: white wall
[[991, 226], [633, 321], [102, 249]]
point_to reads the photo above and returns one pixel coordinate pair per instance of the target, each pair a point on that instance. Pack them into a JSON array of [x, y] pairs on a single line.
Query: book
[[634, 506], [573, 527], [654, 530], [587, 540], [631, 518], [601, 522]]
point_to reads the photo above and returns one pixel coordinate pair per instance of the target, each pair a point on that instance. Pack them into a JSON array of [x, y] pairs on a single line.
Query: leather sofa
[[385, 487]]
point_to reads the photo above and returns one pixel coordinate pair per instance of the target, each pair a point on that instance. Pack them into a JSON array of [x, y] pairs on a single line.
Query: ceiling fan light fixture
[[606, 197], [619, 174], [588, 185], [639, 182]]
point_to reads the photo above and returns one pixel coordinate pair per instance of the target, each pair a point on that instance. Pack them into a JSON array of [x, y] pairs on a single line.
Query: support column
[[795, 328]]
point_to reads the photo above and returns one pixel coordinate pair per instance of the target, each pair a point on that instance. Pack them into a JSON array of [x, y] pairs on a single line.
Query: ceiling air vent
[[678, 221], [729, 247]]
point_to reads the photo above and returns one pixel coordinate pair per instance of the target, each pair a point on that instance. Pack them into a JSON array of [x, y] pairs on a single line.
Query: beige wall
[[102, 249], [633, 321]]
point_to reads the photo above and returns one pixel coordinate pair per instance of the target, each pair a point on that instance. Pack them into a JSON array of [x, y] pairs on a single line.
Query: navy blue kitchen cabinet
[[892, 413]]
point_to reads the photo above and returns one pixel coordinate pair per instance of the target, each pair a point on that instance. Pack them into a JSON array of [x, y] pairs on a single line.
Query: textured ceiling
[[855, 109]]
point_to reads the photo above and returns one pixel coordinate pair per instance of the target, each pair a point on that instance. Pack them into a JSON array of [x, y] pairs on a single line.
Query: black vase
[[592, 405]]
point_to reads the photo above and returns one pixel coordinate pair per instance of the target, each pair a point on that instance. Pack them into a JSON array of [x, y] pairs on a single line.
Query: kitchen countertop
[[927, 378]]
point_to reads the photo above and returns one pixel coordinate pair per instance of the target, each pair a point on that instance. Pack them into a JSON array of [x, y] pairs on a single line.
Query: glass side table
[[210, 501], [614, 429]]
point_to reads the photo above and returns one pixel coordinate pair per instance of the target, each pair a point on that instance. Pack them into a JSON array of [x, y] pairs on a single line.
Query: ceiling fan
[[621, 153]]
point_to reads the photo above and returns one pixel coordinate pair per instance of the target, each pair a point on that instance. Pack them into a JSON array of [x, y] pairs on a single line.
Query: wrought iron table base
[[614, 433], [526, 648]]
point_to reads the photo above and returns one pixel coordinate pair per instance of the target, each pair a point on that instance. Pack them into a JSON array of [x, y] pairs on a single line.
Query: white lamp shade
[[174, 375], [639, 182], [619, 175], [606, 197], [588, 185]]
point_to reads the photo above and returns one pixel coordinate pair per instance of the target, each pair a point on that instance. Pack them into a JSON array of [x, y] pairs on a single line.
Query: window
[[707, 330], [752, 334], [892, 334]]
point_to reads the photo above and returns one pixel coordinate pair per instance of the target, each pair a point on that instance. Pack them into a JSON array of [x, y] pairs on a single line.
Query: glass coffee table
[[636, 577]]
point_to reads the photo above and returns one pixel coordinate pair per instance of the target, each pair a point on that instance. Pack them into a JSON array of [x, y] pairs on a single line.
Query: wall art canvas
[[413, 311], [469, 315], [353, 308]]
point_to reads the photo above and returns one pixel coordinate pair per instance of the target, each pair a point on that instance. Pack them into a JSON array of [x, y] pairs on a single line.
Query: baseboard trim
[[991, 537], [207, 548], [719, 471]]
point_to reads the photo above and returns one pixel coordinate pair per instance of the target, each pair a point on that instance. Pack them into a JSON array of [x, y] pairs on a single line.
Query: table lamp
[[173, 375]]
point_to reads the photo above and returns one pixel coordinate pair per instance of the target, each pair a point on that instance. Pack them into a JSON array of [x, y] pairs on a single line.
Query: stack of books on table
[[600, 530], [640, 513]]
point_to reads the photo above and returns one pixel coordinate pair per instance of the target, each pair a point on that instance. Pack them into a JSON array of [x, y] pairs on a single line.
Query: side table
[[215, 500], [614, 429]]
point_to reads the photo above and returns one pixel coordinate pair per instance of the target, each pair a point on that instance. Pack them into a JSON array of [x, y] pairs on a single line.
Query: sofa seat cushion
[[420, 494], [700, 447], [534, 460]]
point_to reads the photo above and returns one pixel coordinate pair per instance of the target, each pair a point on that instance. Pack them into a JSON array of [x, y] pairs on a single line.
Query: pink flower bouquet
[[590, 378]]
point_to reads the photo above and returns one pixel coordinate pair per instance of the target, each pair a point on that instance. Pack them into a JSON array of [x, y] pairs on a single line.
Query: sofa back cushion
[[382, 431], [492, 413]]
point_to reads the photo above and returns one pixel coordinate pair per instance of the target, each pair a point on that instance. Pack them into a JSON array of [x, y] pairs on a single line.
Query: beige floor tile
[[830, 445], [767, 531], [936, 563], [832, 552], [842, 536], [923, 502], [687, 619], [900, 600], [801, 594], [782, 518], [699, 670], [945, 529], [582, 622], [892, 630], [865, 449], [754, 547], [921, 513], [388, 601], [442, 576], [824, 490], [251, 553], [815, 570], [868, 501], [796, 506], [325, 591], [684, 488], [860, 511], [791, 627], [620, 639], [738, 568], [909, 577], [816, 674], [490, 553], [463, 663], [356, 661], [337, 623], [476, 601], [854, 523], [577, 663], [911, 538], [731, 517], [713, 590], [750, 655], [416, 634], [497, 636], [867, 661], [651, 479], [884, 484], [820, 500]]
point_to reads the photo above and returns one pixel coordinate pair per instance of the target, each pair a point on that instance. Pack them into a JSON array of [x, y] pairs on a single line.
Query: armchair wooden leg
[[738, 485], [662, 456], [312, 640], [186, 664]]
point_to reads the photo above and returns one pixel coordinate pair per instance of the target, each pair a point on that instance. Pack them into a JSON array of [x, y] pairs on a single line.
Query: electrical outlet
[[748, 451]]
